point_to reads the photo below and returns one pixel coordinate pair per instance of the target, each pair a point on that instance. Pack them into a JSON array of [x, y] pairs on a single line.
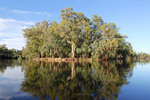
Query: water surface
[[116, 80]]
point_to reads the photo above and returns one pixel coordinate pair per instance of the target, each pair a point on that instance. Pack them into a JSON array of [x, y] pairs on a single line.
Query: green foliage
[[76, 36], [142, 55], [9, 53]]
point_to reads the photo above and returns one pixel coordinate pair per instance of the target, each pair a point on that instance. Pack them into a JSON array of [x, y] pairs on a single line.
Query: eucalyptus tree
[[124, 49], [96, 24], [108, 43], [34, 37], [71, 27], [84, 48], [49, 39], [54, 45]]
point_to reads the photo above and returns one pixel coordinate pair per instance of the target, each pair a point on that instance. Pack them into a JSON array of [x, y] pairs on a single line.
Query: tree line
[[142, 55], [9, 53], [76, 36]]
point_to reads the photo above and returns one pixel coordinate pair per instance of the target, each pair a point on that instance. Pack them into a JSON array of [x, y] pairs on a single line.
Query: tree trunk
[[73, 71], [73, 47]]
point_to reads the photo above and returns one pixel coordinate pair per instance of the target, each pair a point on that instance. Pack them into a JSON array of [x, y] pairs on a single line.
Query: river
[[115, 80]]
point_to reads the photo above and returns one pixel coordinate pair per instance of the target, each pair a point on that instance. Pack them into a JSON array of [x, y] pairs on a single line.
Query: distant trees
[[9, 53], [142, 55], [76, 36]]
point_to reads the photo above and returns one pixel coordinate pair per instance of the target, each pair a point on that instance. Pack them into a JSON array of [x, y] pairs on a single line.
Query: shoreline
[[64, 59]]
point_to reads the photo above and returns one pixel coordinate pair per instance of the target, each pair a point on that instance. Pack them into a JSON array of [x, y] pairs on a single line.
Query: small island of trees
[[76, 36]]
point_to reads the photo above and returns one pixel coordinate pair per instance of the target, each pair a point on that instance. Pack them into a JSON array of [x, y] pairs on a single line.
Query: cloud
[[21, 12], [32, 12], [11, 32], [14, 42], [15, 21], [2, 8], [27, 12]]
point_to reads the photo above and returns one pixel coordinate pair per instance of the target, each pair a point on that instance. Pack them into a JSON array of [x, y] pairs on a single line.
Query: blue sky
[[131, 16]]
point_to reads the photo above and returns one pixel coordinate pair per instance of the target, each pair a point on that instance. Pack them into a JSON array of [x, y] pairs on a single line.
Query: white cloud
[[47, 14], [32, 12], [15, 21], [21, 12], [2, 8], [14, 42], [11, 32]]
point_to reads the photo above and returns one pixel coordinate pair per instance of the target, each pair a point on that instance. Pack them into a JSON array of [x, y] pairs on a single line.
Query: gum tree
[[71, 27]]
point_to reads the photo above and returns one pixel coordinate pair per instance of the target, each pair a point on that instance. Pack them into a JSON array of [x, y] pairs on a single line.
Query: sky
[[131, 16]]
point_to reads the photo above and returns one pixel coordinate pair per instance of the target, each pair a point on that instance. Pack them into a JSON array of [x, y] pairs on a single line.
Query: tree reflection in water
[[72, 81], [8, 63]]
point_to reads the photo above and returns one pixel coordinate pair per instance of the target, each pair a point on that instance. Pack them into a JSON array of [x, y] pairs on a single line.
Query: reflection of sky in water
[[139, 86], [10, 82]]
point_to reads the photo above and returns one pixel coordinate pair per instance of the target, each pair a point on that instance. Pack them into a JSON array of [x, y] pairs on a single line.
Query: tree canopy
[[9, 53], [76, 36]]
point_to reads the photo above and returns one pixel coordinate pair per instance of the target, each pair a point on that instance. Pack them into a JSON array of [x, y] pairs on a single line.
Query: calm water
[[118, 80]]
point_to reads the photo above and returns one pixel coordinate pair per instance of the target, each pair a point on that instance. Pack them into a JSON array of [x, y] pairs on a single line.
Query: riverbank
[[80, 59], [64, 59]]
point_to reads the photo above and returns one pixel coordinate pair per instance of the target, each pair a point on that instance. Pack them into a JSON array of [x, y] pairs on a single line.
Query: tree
[[34, 37], [108, 44], [97, 22], [9, 53], [71, 27]]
